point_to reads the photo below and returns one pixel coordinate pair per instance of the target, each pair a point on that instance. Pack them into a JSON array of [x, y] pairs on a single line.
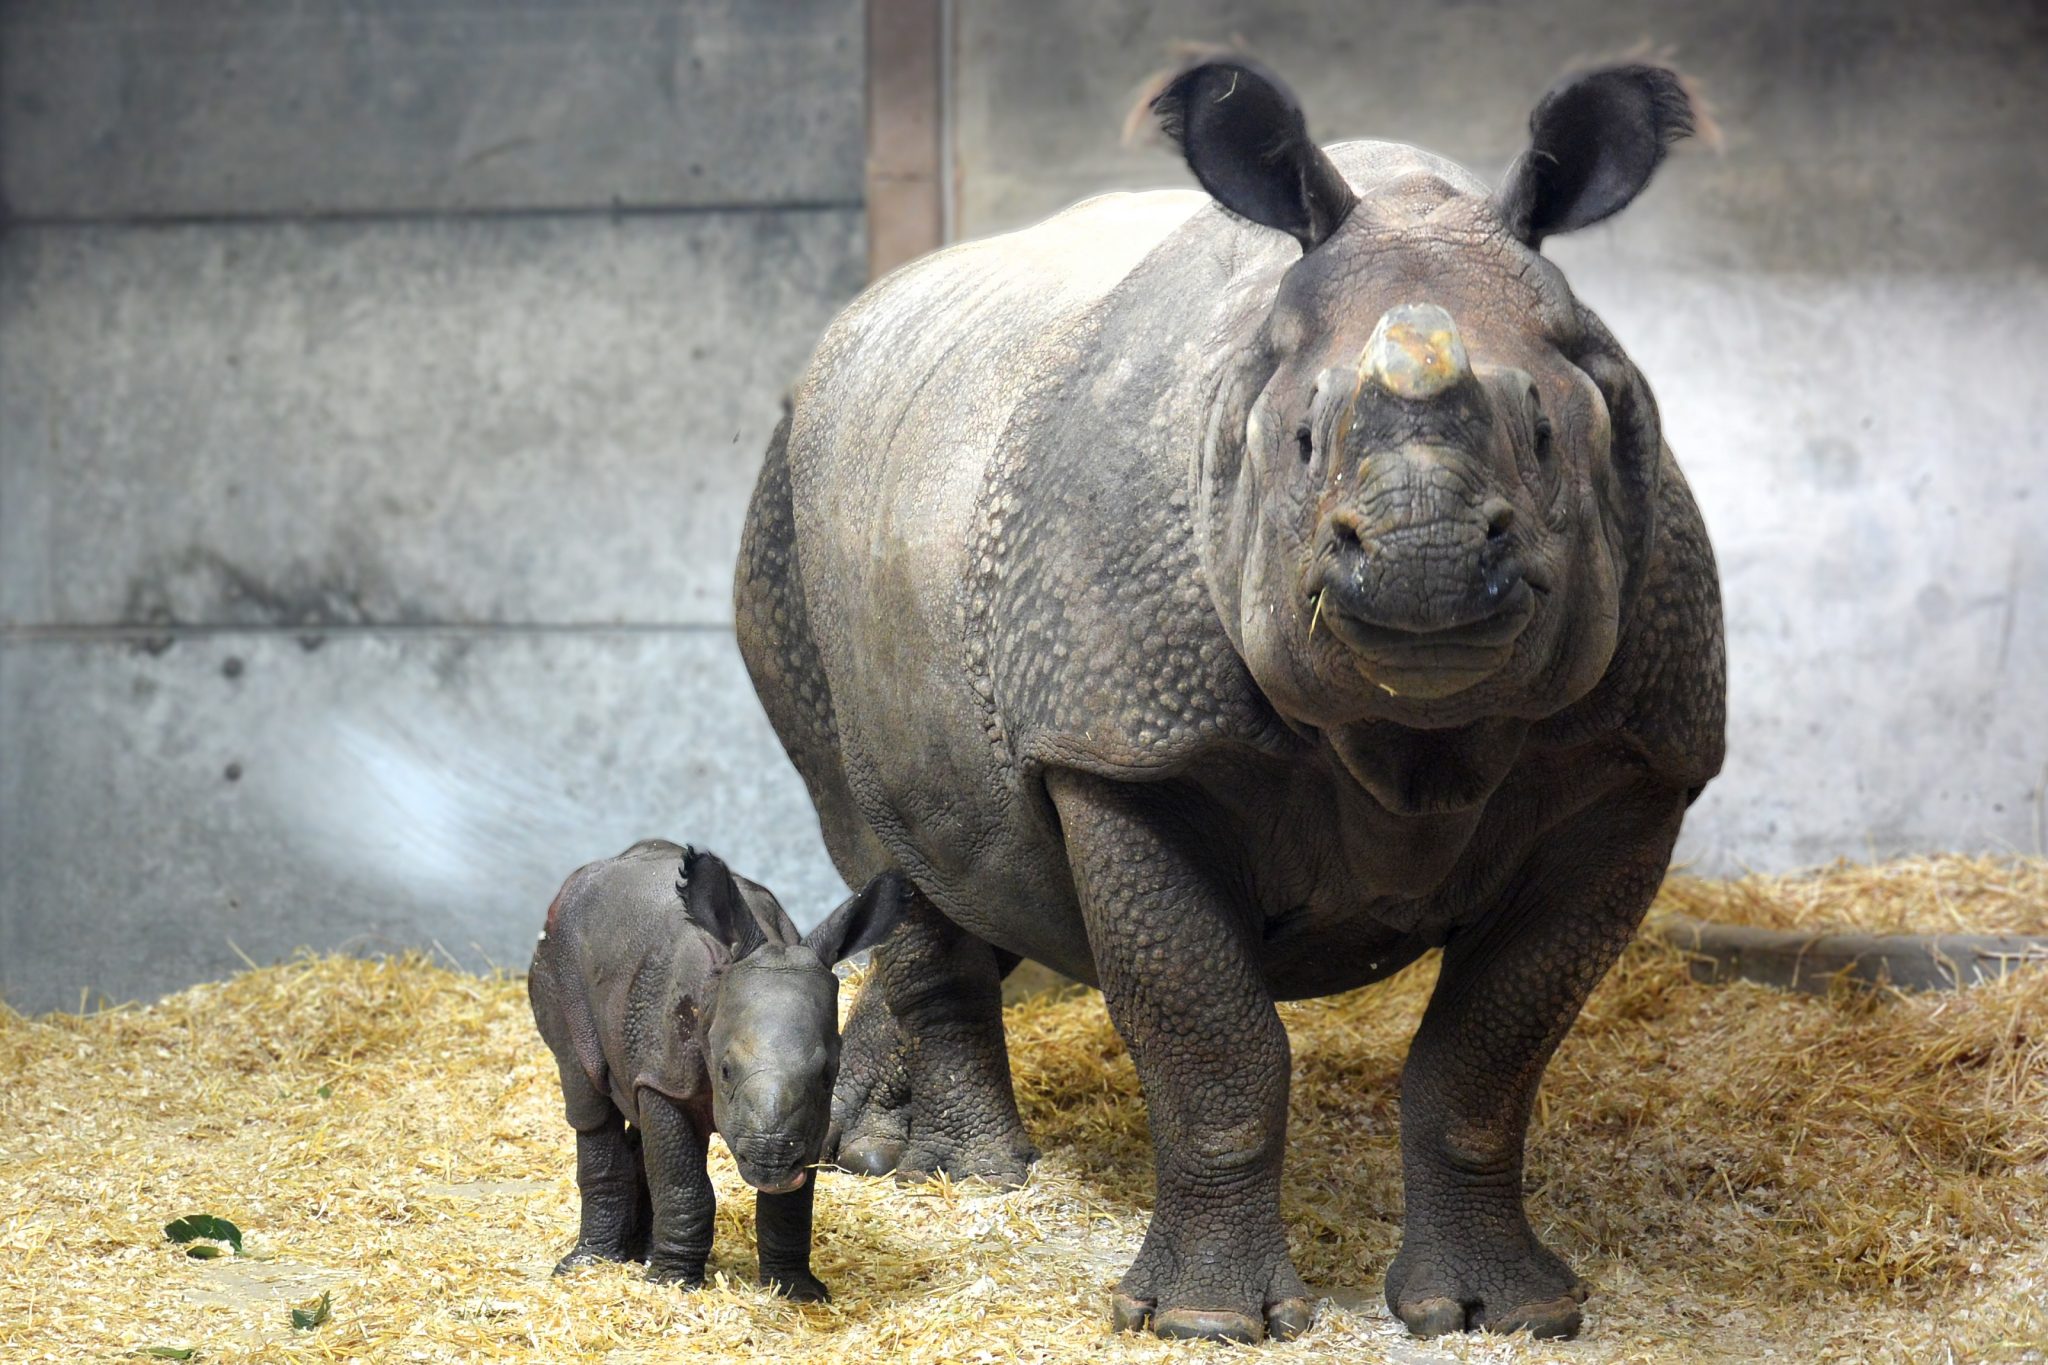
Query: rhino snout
[[775, 1128], [1453, 577], [1425, 607], [773, 1163]]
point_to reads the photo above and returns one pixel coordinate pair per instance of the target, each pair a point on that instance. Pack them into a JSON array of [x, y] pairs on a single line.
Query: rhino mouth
[[776, 1182], [1428, 660]]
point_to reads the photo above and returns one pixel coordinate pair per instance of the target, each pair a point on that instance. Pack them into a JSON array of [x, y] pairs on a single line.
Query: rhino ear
[[775, 923], [1244, 136], [1594, 140], [712, 899], [862, 921]]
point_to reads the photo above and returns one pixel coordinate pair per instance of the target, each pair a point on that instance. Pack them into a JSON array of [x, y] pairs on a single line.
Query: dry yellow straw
[[1736, 1171]]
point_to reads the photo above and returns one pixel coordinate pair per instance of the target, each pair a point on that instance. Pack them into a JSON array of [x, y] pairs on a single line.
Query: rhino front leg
[[782, 1227], [1184, 990], [924, 1082], [681, 1189], [1507, 994]]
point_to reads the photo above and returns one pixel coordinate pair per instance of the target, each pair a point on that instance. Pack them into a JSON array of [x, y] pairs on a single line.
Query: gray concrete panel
[[1876, 509], [165, 807], [181, 108], [1858, 132], [553, 419]]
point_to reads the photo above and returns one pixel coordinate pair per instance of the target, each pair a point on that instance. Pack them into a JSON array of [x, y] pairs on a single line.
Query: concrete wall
[[1844, 317], [381, 386], [381, 382]]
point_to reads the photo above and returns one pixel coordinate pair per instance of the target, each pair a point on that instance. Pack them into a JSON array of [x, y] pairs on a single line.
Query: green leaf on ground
[[203, 1251], [305, 1319], [325, 1092], [168, 1352], [194, 1226]]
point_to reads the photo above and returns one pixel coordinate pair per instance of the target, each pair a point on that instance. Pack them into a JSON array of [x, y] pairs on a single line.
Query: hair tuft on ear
[[712, 899]]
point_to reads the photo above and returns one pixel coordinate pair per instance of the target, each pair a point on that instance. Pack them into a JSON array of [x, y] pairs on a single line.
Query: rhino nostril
[[1500, 519], [1344, 535]]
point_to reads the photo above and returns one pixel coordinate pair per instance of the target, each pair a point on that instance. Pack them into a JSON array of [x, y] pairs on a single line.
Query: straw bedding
[[1741, 1174]]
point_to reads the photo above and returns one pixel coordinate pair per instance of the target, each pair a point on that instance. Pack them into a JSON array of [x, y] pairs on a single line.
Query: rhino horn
[[1415, 352]]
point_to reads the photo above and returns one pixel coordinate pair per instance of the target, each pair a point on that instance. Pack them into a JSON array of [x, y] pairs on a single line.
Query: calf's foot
[[583, 1254], [797, 1286], [680, 1272]]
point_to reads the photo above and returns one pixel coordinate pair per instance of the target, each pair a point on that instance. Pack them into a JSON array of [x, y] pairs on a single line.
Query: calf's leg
[[782, 1226], [681, 1192], [610, 1178]]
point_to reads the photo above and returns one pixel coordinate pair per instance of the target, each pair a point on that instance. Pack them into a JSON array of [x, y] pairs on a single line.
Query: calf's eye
[[1304, 442]]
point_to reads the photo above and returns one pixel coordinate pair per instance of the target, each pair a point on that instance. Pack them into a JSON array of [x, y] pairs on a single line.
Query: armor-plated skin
[[678, 999], [1223, 607]]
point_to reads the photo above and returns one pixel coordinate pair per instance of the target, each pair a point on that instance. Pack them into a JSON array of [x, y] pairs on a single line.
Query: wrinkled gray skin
[[1230, 599], [679, 999]]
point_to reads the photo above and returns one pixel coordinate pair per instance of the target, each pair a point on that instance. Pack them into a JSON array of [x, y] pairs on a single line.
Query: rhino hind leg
[[871, 1102], [924, 1081], [611, 1177]]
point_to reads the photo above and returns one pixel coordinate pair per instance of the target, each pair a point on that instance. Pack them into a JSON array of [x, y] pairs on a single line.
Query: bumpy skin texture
[[624, 985], [1088, 587]]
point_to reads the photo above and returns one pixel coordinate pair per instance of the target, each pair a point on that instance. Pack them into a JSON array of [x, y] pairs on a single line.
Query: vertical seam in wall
[[902, 178]]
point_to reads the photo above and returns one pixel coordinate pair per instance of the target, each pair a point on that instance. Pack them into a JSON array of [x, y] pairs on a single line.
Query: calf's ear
[[1245, 138], [712, 899], [862, 921], [1594, 140], [776, 925]]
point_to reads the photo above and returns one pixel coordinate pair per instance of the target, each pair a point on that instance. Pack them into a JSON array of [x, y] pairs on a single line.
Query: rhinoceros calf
[[1229, 597], [686, 1008]]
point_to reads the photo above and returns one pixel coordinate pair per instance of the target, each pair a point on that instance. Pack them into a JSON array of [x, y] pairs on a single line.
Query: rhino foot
[[1439, 1285], [802, 1287], [1203, 1309], [870, 1128], [870, 1156], [1004, 1161], [924, 1076], [871, 1102], [583, 1254], [660, 1271]]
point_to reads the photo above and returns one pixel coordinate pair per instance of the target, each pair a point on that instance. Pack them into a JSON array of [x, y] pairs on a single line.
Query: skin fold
[[679, 1001], [1227, 597]]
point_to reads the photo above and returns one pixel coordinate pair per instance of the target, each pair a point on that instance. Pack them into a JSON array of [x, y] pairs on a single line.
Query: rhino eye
[[1304, 442], [725, 1071], [1543, 438]]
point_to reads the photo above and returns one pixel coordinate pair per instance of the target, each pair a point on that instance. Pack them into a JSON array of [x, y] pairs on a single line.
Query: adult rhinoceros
[[1227, 598]]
